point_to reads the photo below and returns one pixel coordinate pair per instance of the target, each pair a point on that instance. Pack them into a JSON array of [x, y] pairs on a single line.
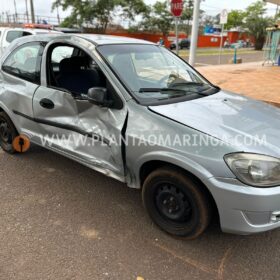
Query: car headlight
[[255, 170]]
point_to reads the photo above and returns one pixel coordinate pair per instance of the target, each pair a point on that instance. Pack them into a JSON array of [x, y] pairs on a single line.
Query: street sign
[[224, 17], [177, 7], [223, 21]]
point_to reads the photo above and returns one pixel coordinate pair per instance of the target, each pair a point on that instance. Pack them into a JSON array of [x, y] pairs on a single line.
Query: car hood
[[232, 118]]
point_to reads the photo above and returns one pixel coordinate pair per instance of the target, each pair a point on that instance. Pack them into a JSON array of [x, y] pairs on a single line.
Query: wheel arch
[[153, 165], [9, 114]]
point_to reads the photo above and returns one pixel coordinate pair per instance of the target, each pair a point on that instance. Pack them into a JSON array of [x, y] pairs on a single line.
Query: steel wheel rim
[[5, 132], [173, 204]]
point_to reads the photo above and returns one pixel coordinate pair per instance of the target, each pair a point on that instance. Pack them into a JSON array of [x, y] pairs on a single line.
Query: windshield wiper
[[188, 84], [203, 89], [209, 86], [181, 92], [161, 90]]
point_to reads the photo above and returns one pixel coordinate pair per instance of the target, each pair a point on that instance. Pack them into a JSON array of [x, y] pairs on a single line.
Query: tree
[[99, 12], [257, 22], [159, 19], [277, 16], [78, 12], [235, 19], [131, 8], [187, 14], [208, 20]]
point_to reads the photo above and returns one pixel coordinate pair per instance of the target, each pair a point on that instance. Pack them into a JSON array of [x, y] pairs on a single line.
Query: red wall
[[233, 37], [148, 36], [204, 41]]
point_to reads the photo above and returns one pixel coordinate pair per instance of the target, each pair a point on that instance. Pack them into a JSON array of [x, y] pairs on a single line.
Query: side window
[[14, 34], [25, 62]]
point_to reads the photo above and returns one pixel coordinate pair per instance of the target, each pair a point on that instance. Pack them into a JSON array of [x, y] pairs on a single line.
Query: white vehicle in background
[[8, 35]]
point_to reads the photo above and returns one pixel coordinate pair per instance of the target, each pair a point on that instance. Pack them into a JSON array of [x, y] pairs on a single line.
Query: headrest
[[72, 64], [30, 64]]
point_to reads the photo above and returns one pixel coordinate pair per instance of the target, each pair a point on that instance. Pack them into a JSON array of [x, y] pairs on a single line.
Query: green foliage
[[256, 22], [78, 10], [187, 14], [159, 19], [235, 19], [99, 12], [277, 16], [209, 20], [188, 10], [131, 8]]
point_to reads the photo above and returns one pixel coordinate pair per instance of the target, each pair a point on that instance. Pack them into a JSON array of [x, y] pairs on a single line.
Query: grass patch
[[208, 52]]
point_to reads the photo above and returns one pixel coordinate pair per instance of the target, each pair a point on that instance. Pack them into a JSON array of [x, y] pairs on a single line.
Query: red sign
[[177, 7]]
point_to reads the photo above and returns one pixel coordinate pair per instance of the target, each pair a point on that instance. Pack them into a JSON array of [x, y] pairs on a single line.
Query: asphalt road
[[214, 59], [60, 220]]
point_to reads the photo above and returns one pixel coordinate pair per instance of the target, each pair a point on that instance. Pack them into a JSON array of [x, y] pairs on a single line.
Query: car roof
[[31, 30], [96, 39], [110, 39]]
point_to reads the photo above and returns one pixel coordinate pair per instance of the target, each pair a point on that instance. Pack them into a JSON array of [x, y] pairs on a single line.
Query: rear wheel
[[8, 133], [176, 203]]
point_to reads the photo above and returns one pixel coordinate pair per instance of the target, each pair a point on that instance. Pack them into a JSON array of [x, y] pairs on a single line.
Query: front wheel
[[8, 133], [176, 203]]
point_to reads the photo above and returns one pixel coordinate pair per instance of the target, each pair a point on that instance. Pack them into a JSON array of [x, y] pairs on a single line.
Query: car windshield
[[154, 74]]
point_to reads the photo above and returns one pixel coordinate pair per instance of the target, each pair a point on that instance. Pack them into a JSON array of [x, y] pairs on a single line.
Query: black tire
[[8, 133], [191, 211]]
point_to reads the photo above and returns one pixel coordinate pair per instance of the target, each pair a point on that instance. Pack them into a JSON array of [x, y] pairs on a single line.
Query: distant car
[[183, 44], [8, 35], [239, 44]]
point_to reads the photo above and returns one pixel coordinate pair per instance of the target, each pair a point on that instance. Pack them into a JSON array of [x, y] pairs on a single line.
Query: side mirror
[[98, 96]]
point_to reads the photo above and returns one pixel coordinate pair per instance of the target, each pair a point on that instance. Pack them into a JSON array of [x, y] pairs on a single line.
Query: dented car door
[[80, 129], [73, 126]]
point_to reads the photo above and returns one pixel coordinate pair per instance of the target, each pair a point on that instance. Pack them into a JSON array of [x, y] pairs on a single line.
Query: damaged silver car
[[136, 112]]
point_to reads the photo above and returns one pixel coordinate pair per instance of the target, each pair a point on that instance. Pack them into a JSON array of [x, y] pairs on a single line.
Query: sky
[[212, 7]]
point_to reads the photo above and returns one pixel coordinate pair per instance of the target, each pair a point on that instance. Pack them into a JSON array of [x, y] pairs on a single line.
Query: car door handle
[[47, 103]]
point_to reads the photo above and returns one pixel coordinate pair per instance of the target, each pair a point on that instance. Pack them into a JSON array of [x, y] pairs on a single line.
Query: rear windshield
[[14, 34]]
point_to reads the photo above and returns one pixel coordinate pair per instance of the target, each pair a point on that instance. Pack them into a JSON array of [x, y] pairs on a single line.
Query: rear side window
[[25, 62], [14, 34]]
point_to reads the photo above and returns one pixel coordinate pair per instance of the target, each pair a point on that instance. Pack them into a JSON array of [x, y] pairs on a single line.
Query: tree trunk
[[259, 44]]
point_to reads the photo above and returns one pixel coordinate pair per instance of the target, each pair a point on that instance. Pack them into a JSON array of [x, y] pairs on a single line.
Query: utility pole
[[58, 17], [32, 11], [194, 36], [26, 12], [8, 17], [16, 16]]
